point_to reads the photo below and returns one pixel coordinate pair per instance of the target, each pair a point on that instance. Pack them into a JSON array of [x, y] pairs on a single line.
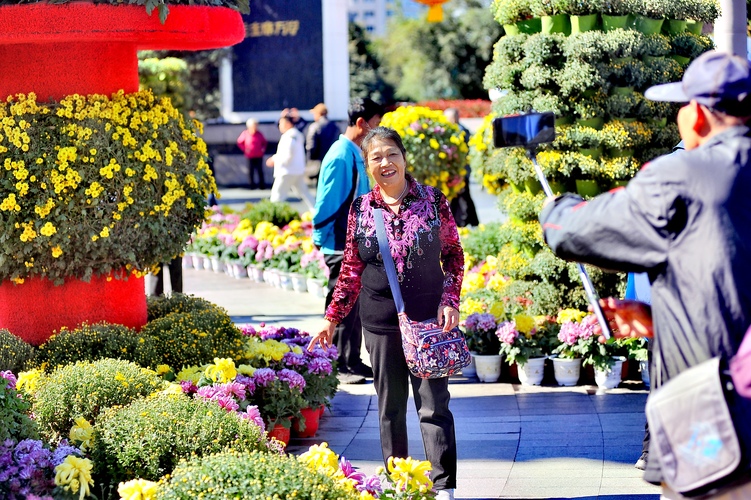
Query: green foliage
[[14, 415], [365, 77], [166, 77], [425, 61], [522, 206], [539, 76], [148, 437], [544, 49], [94, 342], [195, 338], [481, 242], [15, 354], [85, 389], [578, 76], [587, 46], [541, 8], [624, 43], [615, 7], [279, 214], [580, 7], [251, 475], [655, 45], [511, 11], [160, 306], [689, 45]]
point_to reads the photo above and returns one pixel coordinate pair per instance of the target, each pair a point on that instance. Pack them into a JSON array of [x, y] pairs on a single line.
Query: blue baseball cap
[[714, 79]]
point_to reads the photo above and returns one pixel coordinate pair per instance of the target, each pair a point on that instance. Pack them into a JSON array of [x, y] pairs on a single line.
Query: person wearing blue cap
[[685, 220]]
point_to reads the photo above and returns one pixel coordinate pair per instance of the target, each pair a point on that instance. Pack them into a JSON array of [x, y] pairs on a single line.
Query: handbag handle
[[388, 261]]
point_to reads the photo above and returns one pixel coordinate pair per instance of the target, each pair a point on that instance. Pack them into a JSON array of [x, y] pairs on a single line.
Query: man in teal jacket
[[342, 179]]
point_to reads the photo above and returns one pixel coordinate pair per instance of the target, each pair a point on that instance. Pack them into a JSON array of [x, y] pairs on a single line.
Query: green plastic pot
[[595, 123], [587, 188], [511, 29], [610, 23], [620, 153], [594, 153], [557, 187], [674, 26], [564, 120], [559, 23], [530, 26], [622, 90], [532, 186], [682, 60], [694, 27], [660, 122], [647, 25], [580, 24], [515, 187], [619, 183]]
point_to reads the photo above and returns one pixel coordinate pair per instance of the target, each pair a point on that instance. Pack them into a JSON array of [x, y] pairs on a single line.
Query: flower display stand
[[488, 367], [310, 428], [567, 371], [299, 283], [56, 50], [532, 372]]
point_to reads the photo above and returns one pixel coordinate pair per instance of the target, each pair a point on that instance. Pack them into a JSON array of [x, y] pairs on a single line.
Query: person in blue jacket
[[343, 178]]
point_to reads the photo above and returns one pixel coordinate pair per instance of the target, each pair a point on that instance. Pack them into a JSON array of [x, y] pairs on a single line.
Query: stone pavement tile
[[543, 465], [481, 469], [539, 488], [485, 450], [474, 488], [577, 451], [613, 485], [624, 454], [559, 439], [591, 471], [621, 470], [622, 403]]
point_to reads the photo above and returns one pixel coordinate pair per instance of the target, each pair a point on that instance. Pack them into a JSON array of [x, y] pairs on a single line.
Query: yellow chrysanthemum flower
[[408, 473], [82, 432], [74, 475], [574, 315], [29, 381], [223, 370], [524, 324], [137, 489], [320, 457]]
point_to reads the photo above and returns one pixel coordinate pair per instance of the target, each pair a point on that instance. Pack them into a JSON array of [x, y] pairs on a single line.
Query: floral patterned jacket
[[427, 254]]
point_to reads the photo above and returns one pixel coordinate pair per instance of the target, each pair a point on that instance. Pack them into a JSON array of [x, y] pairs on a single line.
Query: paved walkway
[[513, 441]]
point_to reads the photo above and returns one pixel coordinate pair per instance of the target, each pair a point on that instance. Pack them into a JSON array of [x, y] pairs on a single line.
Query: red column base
[[37, 308]]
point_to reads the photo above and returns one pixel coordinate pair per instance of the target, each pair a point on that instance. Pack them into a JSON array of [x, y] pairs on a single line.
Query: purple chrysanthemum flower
[[371, 484], [294, 379], [263, 376], [293, 359], [249, 331], [233, 389], [350, 472], [320, 366], [247, 382], [62, 451], [12, 380]]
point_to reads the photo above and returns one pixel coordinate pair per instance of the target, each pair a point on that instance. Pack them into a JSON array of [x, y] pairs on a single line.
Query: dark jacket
[[685, 219], [320, 137]]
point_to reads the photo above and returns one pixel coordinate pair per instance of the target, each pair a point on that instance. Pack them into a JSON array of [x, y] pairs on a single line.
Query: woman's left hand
[[447, 317]]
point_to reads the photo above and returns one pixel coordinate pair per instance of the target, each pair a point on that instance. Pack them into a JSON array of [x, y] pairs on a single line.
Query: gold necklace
[[398, 199]]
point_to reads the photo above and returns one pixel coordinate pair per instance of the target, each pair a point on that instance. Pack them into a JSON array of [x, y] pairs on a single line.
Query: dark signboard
[[280, 63]]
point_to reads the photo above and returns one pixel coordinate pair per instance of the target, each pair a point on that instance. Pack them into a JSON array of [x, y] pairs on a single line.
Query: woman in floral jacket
[[429, 262]]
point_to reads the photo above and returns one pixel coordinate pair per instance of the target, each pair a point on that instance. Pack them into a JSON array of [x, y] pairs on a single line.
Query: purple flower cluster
[[480, 322], [264, 251], [8, 375], [249, 244], [320, 366], [507, 332], [271, 332], [371, 484], [571, 332], [294, 379], [27, 468], [254, 415]]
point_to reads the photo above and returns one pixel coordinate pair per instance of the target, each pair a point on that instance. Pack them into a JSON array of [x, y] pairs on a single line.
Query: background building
[[374, 15]]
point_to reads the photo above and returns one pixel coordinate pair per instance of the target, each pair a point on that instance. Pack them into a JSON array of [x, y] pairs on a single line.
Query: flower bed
[[104, 422]]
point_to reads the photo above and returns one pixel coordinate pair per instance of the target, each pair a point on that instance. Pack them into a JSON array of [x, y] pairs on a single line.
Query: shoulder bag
[[429, 351], [701, 423]]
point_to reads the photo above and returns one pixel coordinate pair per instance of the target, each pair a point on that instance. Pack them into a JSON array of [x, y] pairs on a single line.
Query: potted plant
[[552, 19], [584, 14], [278, 395], [516, 16], [648, 16], [436, 150], [607, 366], [615, 14], [576, 340], [483, 344], [521, 346], [316, 272]]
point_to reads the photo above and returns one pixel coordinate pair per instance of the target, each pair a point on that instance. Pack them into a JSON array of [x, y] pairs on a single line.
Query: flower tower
[[100, 182], [589, 62]]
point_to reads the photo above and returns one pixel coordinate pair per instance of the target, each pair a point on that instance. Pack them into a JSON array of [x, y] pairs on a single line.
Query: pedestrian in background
[[429, 262], [462, 205], [343, 178], [253, 145], [289, 164], [684, 219], [321, 135]]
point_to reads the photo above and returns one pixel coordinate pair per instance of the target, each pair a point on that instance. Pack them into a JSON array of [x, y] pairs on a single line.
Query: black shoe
[[350, 378], [641, 464], [362, 369]]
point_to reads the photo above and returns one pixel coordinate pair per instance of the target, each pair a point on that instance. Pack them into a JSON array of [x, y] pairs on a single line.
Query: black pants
[[175, 276], [255, 166], [463, 208], [348, 333], [391, 379]]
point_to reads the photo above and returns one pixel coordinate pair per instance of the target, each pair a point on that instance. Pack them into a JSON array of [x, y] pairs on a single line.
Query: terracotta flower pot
[[280, 433]]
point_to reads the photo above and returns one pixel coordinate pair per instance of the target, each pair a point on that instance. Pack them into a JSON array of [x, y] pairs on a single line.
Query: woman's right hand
[[323, 337], [628, 318]]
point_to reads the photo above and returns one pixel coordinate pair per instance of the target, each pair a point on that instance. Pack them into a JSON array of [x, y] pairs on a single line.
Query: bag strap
[[388, 261]]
